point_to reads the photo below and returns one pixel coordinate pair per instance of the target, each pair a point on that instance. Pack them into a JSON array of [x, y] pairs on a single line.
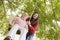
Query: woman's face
[[35, 16]]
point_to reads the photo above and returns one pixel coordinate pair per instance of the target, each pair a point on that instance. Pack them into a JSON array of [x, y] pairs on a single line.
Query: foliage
[[49, 15]]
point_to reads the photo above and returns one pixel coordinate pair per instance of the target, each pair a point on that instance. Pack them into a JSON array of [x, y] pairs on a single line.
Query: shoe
[[8, 38], [18, 32]]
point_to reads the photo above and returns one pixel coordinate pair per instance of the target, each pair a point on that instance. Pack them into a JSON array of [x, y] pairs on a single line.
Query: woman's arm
[[33, 27]]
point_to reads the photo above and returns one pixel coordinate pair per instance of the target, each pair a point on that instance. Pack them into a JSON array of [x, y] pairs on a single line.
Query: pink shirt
[[19, 21]]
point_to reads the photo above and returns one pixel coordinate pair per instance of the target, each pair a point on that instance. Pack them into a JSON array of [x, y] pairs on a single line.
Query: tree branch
[[3, 7]]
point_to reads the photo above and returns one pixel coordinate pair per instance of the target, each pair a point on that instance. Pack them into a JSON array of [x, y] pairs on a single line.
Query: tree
[[49, 15]]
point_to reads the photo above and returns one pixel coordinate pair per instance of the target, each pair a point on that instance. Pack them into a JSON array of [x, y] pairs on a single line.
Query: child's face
[[25, 15]]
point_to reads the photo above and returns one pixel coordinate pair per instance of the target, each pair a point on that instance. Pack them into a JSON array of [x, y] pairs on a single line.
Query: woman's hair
[[32, 20]]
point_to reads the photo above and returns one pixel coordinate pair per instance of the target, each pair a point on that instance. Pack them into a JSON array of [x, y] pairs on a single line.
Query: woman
[[33, 24]]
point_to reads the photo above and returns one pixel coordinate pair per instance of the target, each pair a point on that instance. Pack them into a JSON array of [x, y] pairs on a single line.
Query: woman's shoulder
[[28, 19]]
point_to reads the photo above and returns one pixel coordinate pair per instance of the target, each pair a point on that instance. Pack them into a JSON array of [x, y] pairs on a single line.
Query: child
[[19, 23]]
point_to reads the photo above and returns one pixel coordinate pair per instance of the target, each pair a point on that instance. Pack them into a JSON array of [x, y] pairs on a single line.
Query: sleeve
[[27, 19], [33, 28]]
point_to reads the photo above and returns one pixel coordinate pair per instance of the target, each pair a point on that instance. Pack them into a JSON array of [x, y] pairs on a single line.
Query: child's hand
[[28, 22], [26, 27]]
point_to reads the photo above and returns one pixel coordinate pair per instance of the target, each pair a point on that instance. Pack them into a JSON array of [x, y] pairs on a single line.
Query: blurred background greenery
[[49, 16]]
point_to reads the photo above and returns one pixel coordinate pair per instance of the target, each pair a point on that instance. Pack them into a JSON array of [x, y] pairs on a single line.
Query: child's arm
[[26, 27], [10, 21]]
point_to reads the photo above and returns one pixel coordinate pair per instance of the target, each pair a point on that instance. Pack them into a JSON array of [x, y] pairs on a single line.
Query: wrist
[[30, 25]]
